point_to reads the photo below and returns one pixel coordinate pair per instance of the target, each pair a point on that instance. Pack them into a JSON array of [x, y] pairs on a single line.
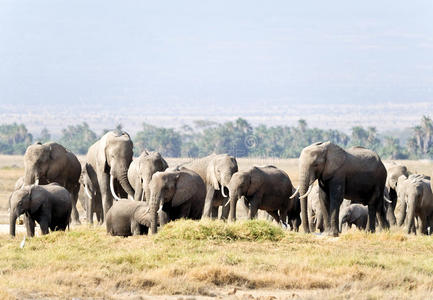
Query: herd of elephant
[[133, 196]]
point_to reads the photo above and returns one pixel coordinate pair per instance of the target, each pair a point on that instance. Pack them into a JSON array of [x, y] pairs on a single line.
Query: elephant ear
[[101, 151], [142, 215], [335, 157], [235, 163], [256, 180], [184, 190], [211, 176]]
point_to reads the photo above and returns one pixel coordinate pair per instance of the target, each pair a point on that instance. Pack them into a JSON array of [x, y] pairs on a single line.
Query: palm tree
[[418, 132]]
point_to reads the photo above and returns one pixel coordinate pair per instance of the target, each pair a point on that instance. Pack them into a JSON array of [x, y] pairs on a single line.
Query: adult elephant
[[128, 217], [357, 174], [178, 194], [51, 162], [141, 170], [394, 171], [90, 197], [267, 188], [417, 193], [215, 170], [108, 160], [49, 205]]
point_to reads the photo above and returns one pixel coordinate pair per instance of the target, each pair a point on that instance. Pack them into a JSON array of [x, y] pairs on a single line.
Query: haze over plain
[[336, 64]]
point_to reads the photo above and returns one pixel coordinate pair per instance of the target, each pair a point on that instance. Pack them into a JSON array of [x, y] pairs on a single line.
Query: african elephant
[[51, 162], [394, 172], [108, 160], [128, 217], [315, 215], [49, 205], [294, 214], [357, 174], [216, 170], [267, 188], [354, 214], [419, 201], [141, 170], [179, 194], [90, 197]]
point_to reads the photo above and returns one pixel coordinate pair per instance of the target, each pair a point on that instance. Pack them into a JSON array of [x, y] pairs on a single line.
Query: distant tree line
[[238, 138]]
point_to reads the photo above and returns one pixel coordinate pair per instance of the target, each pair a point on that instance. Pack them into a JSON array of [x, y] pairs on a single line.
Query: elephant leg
[[74, 197], [214, 212], [322, 215], [423, 224], [44, 224], [135, 228], [254, 206], [208, 202], [276, 217], [320, 224], [184, 209], [336, 198], [371, 221], [311, 220], [30, 225], [89, 210]]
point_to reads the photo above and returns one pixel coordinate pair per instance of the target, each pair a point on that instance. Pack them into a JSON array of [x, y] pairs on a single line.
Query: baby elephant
[[128, 217], [49, 205], [354, 214]]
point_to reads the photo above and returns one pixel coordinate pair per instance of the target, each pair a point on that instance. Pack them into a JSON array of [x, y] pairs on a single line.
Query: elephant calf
[[354, 214], [49, 205], [128, 217]]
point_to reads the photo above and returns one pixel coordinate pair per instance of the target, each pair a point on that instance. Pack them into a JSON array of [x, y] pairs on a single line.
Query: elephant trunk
[[411, 218], [303, 187], [12, 222], [153, 213], [233, 200], [123, 179], [30, 177]]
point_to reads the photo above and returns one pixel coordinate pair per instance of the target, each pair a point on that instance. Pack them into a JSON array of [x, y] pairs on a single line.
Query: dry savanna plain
[[212, 259]]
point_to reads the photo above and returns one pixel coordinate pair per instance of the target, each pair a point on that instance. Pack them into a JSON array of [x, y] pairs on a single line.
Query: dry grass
[[85, 262]]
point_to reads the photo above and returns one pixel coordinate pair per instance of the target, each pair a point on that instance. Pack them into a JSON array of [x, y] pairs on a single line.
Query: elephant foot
[[76, 222], [330, 233]]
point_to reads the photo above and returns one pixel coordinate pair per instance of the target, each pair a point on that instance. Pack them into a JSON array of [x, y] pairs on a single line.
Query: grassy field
[[244, 260]]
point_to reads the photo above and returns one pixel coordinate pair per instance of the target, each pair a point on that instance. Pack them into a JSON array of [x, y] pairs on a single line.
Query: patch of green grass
[[251, 230]]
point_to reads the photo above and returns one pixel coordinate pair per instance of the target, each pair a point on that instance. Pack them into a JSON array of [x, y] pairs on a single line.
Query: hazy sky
[[215, 51]]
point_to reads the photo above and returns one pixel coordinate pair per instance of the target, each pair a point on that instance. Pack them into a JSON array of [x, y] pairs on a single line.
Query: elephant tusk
[[227, 203], [295, 193], [112, 188], [160, 209], [36, 182], [306, 194], [222, 191], [130, 197], [87, 192], [142, 196], [387, 200]]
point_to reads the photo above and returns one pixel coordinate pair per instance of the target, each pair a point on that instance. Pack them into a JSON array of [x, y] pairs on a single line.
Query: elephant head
[[41, 159], [243, 183], [86, 182], [117, 156], [162, 189], [22, 201], [220, 171], [144, 167], [317, 161]]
